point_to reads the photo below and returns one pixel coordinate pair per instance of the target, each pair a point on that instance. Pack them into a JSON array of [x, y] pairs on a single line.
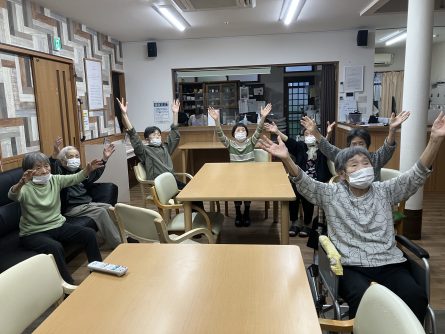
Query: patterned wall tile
[[27, 24]]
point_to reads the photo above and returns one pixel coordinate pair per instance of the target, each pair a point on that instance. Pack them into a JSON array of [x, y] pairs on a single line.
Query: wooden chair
[[380, 311], [146, 225], [144, 184], [28, 289], [164, 193]]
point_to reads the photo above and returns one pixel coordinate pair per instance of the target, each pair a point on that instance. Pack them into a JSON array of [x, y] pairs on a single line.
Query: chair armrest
[[204, 214], [104, 193], [187, 175], [196, 231], [149, 182], [412, 247], [336, 325], [68, 288]]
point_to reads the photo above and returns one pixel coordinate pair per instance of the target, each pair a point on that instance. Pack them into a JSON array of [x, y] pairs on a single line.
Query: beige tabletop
[[193, 289], [250, 181]]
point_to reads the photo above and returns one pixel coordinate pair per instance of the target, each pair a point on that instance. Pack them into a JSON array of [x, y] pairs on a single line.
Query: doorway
[[56, 106], [118, 79]]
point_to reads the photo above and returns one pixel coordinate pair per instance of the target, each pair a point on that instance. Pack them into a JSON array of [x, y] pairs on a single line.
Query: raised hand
[[279, 150], [123, 105], [57, 147], [309, 124], [438, 127], [266, 110], [93, 165], [27, 176], [330, 127], [108, 151], [396, 121], [214, 113], [271, 127], [175, 106]]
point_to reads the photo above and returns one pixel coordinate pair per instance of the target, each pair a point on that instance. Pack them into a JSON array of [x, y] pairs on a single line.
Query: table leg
[[275, 212], [184, 164], [188, 216], [284, 223], [212, 206]]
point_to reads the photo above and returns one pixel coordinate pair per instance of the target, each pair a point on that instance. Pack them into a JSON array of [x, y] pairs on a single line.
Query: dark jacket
[[77, 194], [298, 149]]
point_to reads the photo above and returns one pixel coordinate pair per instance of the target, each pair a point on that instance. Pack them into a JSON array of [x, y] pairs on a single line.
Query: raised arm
[[259, 128], [273, 128], [329, 151], [329, 130], [26, 177], [395, 122], [437, 135], [214, 113], [175, 110], [125, 120], [280, 151]]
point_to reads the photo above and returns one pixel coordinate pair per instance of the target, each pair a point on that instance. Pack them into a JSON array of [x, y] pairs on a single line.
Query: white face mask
[[73, 164], [362, 178], [310, 140], [156, 141], [240, 136], [41, 179]]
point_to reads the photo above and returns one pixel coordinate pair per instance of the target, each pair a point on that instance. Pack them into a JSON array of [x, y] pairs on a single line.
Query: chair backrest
[[388, 173], [166, 187], [139, 172], [27, 290], [382, 311], [261, 155], [140, 223]]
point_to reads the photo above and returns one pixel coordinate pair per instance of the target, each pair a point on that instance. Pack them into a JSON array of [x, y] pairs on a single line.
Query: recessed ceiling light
[[290, 10], [172, 16]]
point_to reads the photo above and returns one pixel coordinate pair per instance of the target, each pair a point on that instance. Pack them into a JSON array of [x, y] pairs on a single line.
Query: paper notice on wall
[[86, 120], [353, 80], [161, 112], [347, 107]]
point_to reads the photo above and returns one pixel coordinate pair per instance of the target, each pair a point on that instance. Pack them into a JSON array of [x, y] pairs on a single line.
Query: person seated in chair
[[42, 226], [156, 156], [361, 137], [77, 203], [360, 220]]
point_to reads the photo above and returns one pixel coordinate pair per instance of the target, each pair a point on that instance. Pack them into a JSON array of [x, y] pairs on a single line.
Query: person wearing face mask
[[361, 137], [156, 156], [75, 199], [360, 221], [42, 226], [240, 150], [307, 156]]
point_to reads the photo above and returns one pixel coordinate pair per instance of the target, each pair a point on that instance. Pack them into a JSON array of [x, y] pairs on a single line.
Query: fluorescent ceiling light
[[390, 35], [396, 39], [222, 72], [290, 10], [172, 16]]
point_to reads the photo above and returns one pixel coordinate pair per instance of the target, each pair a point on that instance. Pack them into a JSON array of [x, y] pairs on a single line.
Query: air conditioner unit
[[199, 5], [383, 59]]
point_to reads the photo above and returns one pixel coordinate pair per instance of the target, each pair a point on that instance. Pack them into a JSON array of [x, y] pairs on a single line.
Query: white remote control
[[108, 268]]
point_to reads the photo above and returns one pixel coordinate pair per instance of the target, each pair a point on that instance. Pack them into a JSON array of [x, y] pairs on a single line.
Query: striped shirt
[[240, 152]]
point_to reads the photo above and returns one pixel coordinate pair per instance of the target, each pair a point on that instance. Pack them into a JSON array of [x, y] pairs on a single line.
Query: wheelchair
[[324, 279]]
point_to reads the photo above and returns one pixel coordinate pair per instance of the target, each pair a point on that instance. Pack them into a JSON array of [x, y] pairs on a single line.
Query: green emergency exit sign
[[57, 44]]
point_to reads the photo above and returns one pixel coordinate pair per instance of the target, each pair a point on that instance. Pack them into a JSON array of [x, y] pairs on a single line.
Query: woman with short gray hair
[[359, 218]]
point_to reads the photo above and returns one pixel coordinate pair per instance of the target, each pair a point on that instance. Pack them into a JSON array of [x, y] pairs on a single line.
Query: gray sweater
[[379, 158], [157, 159], [362, 228]]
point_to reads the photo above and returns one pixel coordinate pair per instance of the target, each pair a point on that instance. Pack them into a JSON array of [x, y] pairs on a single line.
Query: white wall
[[438, 63], [149, 80]]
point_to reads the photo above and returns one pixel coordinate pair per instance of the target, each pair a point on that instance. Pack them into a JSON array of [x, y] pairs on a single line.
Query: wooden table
[[193, 289], [195, 145], [250, 181]]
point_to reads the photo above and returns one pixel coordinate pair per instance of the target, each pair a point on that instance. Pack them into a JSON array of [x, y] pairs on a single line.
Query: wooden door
[[55, 101]]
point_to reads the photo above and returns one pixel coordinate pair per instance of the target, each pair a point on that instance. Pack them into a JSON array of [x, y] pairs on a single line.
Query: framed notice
[[353, 80], [93, 76], [161, 112]]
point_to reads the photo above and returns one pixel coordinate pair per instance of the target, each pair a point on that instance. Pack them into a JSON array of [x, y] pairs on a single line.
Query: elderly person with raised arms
[[359, 217]]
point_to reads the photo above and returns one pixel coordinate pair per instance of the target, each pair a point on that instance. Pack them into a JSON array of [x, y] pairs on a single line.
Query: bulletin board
[[93, 75]]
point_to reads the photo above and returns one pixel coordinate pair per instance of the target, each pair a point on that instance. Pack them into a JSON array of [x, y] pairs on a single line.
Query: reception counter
[[435, 183]]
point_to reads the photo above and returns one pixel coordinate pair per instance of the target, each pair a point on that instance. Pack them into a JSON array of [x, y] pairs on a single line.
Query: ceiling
[[136, 20]]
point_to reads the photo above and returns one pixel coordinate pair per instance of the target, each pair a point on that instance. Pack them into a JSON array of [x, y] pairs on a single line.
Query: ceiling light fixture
[[290, 10], [390, 35], [396, 39], [172, 16]]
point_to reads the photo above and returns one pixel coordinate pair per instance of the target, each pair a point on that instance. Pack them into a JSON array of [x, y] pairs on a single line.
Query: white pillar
[[416, 87]]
